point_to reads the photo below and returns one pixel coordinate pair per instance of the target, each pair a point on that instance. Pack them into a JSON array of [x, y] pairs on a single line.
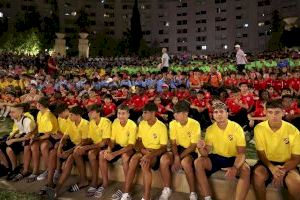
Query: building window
[[201, 38], [166, 40], [220, 19], [201, 21], [245, 35], [220, 28], [238, 8], [180, 31], [201, 47], [160, 32], [220, 1], [182, 48], [181, 14], [182, 39], [203, 12], [238, 17], [202, 29], [182, 22]]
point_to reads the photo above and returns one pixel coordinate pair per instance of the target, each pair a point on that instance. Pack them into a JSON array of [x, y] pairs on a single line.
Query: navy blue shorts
[[193, 155], [218, 162], [116, 148], [270, 178]]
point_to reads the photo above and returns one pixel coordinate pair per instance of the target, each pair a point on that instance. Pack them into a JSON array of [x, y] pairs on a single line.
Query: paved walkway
[[34, 187]]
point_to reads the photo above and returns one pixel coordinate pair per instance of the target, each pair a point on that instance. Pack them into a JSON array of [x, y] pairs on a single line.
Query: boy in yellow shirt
[[98, 134], [54, 166], [184, 134], [278, 149], [121, 145], [47, 135], [76, 136], [223, 149], [151, 144]]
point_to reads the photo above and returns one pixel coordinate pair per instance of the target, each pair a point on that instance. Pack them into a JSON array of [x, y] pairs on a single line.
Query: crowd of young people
[[152, 121]]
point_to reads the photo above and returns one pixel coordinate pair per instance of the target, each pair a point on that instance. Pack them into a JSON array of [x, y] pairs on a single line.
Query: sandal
[[76, 187]]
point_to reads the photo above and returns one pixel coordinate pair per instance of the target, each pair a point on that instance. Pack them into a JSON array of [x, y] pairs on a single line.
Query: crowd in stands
[[102, 88]]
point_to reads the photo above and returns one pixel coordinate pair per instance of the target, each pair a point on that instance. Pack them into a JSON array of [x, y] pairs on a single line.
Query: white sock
[[208, 198]]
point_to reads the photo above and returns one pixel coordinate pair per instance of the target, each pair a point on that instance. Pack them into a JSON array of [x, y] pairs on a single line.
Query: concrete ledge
[[223, 189]]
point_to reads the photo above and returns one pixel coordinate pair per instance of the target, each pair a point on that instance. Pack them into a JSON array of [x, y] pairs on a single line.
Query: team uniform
[[278, 146], [153, 137], [47, 123], [123, 135], [98, 132], [224, 145], [185, 135]]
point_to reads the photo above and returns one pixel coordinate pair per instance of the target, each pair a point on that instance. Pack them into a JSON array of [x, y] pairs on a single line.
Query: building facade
[[194, 26]]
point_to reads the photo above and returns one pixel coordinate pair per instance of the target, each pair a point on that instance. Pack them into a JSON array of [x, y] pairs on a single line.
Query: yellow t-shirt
[[187, 134], [98, 132], [63, 124], [225, 142], [47, 122], [78, 133], [280, 145], [153, 136], [124, 135]]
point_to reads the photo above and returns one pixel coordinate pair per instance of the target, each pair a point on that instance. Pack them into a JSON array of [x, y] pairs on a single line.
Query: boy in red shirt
[[109, 108]]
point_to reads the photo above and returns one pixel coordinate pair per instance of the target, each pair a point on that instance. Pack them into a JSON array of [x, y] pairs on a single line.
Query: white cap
[[237, 46]]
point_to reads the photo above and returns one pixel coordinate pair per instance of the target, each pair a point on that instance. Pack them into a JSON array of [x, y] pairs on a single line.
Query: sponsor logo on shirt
[[286, 141], [154, 135], [230, 137]]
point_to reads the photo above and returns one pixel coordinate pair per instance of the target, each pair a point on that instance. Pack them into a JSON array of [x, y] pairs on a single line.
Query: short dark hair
[[274, 104], [151, 107], [287, 96], [44, 101], [95, 107], [124, 107], [77, 110], [181, 106], [243, 83], [60, 108]]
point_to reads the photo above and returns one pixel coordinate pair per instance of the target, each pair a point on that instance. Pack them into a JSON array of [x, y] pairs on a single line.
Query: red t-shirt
[[259, 109], [200, 103], [293, 109], [294, 83], [166, 96], [232, 106], [138, 102], [109, 108], [248, 99]]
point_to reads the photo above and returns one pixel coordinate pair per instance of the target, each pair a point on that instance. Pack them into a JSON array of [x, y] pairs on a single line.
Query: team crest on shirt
[[189, 134], [286, 141], [128, 133], [230, 137], [154, 135]]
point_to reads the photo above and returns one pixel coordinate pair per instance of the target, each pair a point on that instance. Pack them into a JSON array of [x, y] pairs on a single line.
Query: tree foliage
[[83, 21], [27, 42]]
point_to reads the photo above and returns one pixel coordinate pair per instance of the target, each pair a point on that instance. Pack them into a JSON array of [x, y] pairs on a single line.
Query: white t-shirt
[[240, 57], [25, 125], [165, 57]]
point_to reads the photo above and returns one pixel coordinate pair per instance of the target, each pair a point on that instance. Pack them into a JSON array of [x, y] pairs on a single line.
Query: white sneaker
[[99, 192], [125, 196], [117, 195], [165, 194], [56, 176], [42, 176], [193, 196]]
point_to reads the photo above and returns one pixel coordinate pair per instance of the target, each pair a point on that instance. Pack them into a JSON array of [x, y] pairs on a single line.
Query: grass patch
[[12, 195]]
